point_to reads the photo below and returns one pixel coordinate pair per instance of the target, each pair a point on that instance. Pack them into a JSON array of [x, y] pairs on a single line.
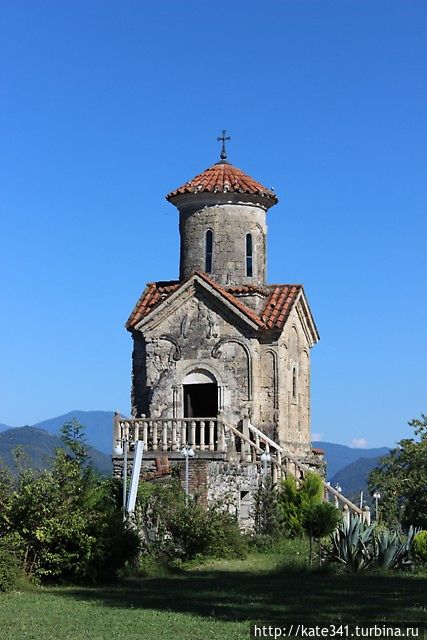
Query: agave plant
[[391, 550], [351, 545]]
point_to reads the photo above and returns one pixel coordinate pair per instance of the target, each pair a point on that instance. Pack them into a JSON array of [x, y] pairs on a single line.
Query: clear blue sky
[[106, 106]]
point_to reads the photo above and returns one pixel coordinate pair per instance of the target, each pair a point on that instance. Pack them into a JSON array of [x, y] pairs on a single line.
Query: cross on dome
[[223, 154]]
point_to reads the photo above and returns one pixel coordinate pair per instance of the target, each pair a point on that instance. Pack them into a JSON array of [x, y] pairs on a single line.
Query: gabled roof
[[279, 304], [223, 177], [153, 293], [279, 300]]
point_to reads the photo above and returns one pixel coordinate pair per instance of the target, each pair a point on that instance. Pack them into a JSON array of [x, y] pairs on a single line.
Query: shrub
[[174, 529], [10, 566], [293, 499], [67, 518], [391, 550], [268, 523], [319, 520], [419, 547]]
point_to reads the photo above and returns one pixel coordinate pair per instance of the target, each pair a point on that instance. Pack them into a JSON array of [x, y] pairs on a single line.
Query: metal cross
[[223, 155]]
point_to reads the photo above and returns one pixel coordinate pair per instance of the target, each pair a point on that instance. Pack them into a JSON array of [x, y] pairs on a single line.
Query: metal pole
[[125, 474], [376, 508], [186, 477]]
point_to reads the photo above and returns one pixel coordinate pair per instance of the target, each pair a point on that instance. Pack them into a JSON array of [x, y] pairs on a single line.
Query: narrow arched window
[[249, 256], [294, 382], [209, 251]]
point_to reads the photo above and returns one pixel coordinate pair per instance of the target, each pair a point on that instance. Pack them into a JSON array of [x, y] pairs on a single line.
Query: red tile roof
[[234, 301], [223, 178], [279, 304], [153, 293], [279, 301]]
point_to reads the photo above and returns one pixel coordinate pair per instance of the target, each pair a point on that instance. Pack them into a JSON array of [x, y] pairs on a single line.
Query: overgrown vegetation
[[401, 478], [419, 547], [180, 529], [65, 523]]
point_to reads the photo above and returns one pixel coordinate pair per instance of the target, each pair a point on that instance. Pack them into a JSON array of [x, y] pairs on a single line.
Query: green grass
[[214, 601]]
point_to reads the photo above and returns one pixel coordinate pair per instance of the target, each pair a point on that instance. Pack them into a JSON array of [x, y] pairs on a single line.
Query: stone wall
[[196, 335], [229, 225], [227, 485], [268, 380]]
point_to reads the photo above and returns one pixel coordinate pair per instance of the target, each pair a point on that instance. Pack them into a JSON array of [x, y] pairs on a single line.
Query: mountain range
[[38, 448], [98, 427], [339, 456], [346, 466]]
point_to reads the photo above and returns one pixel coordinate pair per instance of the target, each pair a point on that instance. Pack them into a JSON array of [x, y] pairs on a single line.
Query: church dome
[[223, 177]]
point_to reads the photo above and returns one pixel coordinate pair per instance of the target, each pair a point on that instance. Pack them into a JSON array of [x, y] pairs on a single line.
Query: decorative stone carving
[[202, 322], [216, 352]]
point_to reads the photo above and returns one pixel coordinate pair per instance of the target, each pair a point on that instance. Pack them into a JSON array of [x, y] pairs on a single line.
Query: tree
[[294, 498], [66, 520], [401, 478], [318, 521]]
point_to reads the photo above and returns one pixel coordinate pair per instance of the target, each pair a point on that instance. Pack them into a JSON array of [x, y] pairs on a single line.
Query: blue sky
[[107, 106]]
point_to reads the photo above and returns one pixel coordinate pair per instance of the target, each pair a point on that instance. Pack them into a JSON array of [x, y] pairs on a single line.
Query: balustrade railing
[[171, 434], [254, 443], [209, 435]]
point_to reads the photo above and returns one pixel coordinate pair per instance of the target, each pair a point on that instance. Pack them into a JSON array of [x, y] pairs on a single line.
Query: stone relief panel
[[199, 321], [233, 356], [268, 391], [195, 332]]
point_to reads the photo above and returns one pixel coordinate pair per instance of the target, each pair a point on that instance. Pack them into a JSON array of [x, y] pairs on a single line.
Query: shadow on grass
[[289, 594]]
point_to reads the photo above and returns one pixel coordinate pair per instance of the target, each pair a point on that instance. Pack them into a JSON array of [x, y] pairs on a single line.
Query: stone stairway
[[213, 439]]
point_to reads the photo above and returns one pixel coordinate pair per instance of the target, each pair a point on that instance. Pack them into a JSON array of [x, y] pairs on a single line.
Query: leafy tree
[[293, 499], [318, 521], [66, 521], [401, 478]]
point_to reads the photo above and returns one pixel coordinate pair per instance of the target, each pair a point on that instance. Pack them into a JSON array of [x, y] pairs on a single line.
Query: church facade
[[220, 339]]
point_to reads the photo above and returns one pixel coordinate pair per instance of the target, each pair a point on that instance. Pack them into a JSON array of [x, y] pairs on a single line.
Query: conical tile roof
[[223, 177]]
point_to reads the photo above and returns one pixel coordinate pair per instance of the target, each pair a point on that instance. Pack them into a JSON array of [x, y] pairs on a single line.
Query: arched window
[[249, 257], [294, 382], [209, 251]]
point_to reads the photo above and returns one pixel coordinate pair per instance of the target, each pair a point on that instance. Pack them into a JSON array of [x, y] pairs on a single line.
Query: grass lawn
[[217, 600]]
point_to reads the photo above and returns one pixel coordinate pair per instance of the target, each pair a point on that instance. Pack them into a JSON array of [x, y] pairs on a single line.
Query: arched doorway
[[200, 394]]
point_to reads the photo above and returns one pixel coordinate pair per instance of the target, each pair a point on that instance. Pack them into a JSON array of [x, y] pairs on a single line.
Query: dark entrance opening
[[200, 400]]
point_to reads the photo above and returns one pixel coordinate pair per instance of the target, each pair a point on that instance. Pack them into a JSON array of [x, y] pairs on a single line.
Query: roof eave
[[205, 283]]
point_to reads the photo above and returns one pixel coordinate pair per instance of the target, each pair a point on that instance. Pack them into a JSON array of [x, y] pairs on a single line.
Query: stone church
[[221, 358]]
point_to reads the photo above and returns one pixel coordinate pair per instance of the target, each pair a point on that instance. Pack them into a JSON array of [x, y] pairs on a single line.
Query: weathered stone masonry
[[222, 341]]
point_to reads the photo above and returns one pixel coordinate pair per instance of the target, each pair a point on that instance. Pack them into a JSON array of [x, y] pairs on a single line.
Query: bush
[[67, 518], [293, 499], [10, 567], [419, 547], [268, 523], [175, 530]]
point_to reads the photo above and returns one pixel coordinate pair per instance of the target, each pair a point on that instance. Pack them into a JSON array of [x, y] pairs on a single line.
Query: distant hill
[[99, 426], [353, 478], [339, 456], [39, 447]]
